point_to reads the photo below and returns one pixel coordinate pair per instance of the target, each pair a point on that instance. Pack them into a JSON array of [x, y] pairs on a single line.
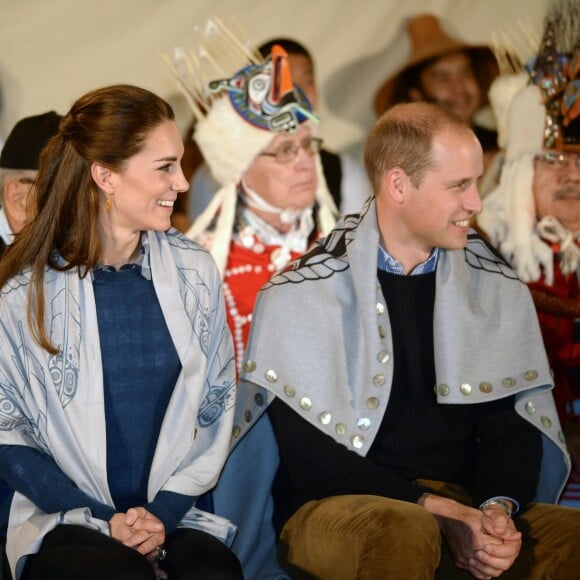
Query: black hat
[[27, 139]]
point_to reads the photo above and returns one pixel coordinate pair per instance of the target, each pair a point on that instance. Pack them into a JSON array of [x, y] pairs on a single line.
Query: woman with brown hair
[[117, 378]]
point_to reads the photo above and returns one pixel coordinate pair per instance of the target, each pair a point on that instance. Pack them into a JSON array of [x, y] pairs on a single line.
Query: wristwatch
[[498, 502]]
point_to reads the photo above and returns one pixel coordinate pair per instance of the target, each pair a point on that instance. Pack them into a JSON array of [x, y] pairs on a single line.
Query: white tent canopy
[[51, 52]]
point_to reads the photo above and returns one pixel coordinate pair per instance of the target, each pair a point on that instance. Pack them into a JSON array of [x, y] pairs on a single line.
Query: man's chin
[[460, 110], [467, 116], [303, 197]]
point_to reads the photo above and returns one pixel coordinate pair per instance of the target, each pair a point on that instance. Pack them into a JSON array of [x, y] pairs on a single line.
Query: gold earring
[[108, 201]]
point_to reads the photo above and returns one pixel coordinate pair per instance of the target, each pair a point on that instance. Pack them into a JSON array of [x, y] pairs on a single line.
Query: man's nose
[[472, 201], [572, 170], [457, 83], [305, 159]]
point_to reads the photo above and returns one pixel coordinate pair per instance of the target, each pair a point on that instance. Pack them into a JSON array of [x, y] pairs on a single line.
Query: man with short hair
[[18, 169], [413, 410]]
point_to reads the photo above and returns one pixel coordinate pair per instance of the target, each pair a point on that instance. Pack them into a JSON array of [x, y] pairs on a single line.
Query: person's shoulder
[[481, 255], [193, 260], [342, 160], [180, 241], [333, 245], [189, 253], [16, 287], [328, 156], [478, 243], [327, 258]]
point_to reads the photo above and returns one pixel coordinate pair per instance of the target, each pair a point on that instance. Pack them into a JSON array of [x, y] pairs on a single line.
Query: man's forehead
[[451, 137], [556, 154], [23, 173], [303, 131], [455, 59], [455, 146], [300, 62]]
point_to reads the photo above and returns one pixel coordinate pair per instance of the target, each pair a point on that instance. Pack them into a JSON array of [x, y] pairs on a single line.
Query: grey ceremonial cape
[[321, 341], [55, 403]]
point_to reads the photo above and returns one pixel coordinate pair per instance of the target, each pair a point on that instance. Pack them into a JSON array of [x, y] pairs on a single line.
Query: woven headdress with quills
[[541, 113]]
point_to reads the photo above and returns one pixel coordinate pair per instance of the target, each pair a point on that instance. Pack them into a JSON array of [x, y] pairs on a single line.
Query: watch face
[[503, 504]]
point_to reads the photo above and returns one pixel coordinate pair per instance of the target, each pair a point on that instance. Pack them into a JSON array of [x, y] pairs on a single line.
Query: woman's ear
[[102, 177]]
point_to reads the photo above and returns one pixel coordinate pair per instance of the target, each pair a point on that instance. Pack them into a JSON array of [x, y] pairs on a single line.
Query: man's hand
[[486, 543], [494, 557]]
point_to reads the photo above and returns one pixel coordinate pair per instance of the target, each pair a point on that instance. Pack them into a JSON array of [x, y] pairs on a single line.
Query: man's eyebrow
[[460, 181]]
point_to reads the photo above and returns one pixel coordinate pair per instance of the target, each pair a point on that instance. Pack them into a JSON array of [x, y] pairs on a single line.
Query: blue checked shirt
[[387, 263]]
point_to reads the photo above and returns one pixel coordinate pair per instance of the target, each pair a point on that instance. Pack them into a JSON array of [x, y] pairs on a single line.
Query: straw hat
[[429, 41]]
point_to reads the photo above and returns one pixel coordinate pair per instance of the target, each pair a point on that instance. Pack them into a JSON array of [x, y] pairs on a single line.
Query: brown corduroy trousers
[[365, 537]]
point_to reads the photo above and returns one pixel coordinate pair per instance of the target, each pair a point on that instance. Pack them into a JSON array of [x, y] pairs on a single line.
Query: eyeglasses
[[558, 161], [289, 150]]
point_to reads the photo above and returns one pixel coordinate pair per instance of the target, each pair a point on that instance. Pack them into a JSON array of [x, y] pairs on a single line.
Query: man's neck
[[274, 221], [408, 258]]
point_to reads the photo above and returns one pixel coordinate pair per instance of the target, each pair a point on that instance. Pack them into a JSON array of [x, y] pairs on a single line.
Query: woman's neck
[[119, 250]]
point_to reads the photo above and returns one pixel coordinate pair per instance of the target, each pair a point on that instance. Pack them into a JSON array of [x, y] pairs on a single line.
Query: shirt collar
[[5, 230], [387, 263]]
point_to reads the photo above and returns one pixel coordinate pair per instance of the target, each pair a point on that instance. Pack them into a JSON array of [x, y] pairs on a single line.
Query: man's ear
[[14, 193], [102, 176], [16, 199], [416, 95], [394, 182]]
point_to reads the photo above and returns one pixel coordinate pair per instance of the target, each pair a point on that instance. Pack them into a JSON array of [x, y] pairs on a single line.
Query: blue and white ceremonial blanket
[[54, 403]]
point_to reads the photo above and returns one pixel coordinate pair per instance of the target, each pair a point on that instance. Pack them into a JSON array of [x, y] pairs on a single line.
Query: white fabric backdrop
[[52, 51]]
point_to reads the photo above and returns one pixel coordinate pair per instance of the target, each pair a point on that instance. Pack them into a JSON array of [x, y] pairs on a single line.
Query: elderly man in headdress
[[18, 169], [533, 215], [256, 132]]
